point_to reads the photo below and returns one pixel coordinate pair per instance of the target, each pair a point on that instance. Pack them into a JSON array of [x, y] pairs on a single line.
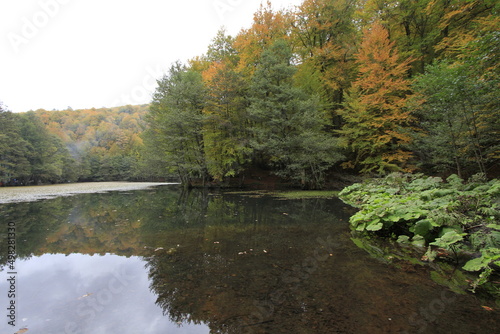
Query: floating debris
[[85, 296]]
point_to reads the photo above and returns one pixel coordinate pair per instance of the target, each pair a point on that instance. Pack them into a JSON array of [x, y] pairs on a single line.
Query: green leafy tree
[[225, 127], [287, 123], [49, 158], [461, 127], [222, 49], [29, 153], [176, 123], [13, 147]]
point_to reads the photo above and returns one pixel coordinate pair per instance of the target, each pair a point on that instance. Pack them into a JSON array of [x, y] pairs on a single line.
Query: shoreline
[[36, 193]]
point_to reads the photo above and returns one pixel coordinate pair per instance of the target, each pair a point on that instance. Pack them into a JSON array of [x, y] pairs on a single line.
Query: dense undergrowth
[[457, 221]]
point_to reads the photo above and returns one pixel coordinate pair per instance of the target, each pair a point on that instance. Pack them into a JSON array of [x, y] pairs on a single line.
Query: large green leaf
[[448, 239], [489, 255], [476, 264], [422, 227], [494, 226], [375, 227]]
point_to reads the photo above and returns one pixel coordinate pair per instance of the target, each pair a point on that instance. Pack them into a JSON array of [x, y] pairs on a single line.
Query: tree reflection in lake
[[241, 263], [248, 263]]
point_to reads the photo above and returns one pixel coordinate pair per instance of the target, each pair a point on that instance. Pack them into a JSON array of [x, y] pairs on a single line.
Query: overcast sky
[[90, 53]]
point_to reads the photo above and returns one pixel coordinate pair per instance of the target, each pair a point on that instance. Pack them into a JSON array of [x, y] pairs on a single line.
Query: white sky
[[90, 53]]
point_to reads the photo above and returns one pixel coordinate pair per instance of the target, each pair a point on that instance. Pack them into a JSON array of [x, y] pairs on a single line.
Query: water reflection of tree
[[245, 270], [86, 224], [242, 264], [34, 223]]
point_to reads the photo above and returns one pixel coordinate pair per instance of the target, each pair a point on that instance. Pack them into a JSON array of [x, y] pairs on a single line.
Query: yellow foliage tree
[[376, 121], [268, 26]]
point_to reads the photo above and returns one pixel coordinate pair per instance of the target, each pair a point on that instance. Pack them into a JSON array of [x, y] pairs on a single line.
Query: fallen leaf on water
[[21, 331], [487, 308], [84, 296]]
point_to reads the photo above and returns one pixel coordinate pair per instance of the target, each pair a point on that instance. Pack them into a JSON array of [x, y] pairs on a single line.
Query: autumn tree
[[222, 49], [457, 98], [427, 29], [461, 21], [411, 24], [376, 121], [268, 26], [325, 36], [104, 142]]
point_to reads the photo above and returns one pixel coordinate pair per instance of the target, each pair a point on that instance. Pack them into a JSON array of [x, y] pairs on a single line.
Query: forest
[[71, 145], [364, 87]]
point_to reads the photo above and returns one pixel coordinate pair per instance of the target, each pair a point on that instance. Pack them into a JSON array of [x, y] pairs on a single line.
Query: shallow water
[[165, 261]]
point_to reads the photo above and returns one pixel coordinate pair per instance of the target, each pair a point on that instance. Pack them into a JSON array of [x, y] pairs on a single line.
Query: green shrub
[[455, 215]]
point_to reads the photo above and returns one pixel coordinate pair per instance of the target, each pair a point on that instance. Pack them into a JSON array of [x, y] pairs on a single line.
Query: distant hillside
[[105, 142]]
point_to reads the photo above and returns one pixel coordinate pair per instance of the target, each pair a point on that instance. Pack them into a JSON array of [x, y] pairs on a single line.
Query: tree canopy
[[370, 86]]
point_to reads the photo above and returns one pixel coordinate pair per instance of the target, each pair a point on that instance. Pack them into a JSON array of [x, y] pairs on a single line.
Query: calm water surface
[[166, 261]]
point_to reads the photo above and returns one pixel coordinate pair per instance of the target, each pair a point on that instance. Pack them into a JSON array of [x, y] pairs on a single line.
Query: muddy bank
[[35, 193]]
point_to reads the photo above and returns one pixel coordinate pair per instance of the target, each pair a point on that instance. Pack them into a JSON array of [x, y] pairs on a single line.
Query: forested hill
[[71, 145]]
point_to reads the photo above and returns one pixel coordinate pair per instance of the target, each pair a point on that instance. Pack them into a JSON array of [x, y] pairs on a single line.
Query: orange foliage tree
[[376, 127], [268, 26]]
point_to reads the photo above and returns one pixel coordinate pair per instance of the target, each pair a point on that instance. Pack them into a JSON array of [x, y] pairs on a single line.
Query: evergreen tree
[[13, 161], [287, 124], [48, 157]]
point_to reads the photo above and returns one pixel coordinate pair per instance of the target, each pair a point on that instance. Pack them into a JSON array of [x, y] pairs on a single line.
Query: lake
[[163, 260]]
